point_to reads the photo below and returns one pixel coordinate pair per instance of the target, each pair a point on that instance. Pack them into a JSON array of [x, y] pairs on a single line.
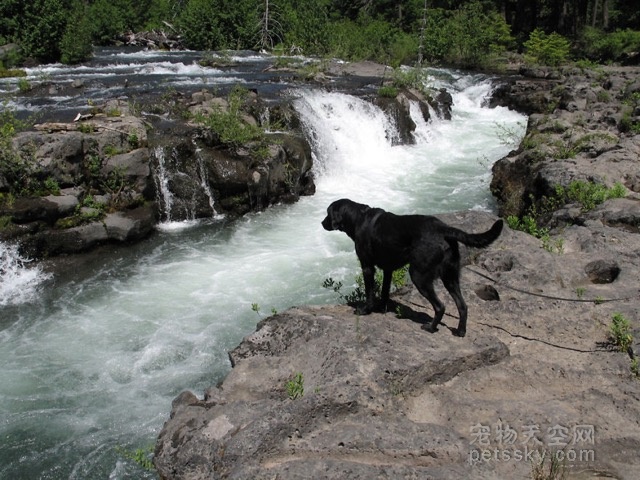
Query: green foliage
[[302, 25], [51, 186], [107, 21], [358, 295], [410, 78], [551, 50], [529, 224], [602, 46], [141, 456], [295, 387], [17, 168], [588, 194], [24, 85], [388, 91], [470, 36], [40, 28], [620, 332], [75, 45], [231, 128], [371, 39], [133, 140], [207, 25]]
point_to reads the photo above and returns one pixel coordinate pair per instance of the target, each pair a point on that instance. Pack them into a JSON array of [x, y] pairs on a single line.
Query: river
[[91, 363]]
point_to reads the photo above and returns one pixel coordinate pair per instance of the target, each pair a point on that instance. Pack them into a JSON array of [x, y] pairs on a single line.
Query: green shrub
[[24, 85], [230, 127], [388, 91], [75, 45], [551, 50], [588, 194], [358, 295], [602, 46], [620, 332], [470, 36], [295, 387]]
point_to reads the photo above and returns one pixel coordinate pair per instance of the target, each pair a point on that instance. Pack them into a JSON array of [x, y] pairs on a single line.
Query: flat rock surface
[[385, 399]]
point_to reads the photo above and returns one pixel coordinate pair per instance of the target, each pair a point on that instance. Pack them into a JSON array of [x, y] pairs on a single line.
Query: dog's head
[[344, 215]]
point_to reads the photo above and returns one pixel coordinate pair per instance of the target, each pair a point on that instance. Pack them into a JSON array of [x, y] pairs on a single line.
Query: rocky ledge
[[318, 392], [111, 174]]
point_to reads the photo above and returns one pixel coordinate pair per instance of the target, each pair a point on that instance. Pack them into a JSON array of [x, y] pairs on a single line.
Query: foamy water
[[91, 365]]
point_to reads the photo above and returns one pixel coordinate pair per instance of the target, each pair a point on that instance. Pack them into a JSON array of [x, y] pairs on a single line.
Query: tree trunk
[[594, 17]]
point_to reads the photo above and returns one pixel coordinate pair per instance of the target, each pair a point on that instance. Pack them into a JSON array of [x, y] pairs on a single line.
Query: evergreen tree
[[40, 29], [75, 45]]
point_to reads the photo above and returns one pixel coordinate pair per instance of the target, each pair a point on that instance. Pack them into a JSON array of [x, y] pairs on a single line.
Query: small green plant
[[295, 386], [115, 180], [580, 291], [5, 221], [133, 140], [86, 128], [554, 469], [415, 78], [23, 85], [255, 308], [141, 456], [113, 112], [635, 367], [111, 150], [388, 91], [510, 136], [51, 186], [358, 295], [620, 332]]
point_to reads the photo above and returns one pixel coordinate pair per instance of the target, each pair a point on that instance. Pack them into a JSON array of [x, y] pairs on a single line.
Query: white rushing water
[[90, 365]]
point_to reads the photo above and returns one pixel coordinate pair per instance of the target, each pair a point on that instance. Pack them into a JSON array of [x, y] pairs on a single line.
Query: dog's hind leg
[[451, 281], [424, 283]]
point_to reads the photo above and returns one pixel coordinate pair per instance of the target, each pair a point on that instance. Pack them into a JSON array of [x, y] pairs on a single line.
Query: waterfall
[[162, 184], [204, 180]]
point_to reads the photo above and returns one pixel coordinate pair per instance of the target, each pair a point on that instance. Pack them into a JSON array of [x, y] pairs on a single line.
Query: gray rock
[[385, 399]]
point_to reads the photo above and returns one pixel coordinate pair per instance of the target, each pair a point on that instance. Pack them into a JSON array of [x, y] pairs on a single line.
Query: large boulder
[[319, 392], [579, 132]]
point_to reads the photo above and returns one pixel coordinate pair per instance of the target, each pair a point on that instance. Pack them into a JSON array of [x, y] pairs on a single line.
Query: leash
[[551, 297]]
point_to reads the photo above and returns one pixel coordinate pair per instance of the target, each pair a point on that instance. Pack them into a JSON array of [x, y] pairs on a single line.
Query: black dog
[[389, 242]]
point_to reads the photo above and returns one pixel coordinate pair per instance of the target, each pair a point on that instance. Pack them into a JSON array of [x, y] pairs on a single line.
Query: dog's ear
[[336, 218]]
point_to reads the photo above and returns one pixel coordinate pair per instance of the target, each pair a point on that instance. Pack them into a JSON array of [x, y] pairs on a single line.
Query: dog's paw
[[430, 327], [459, 333]]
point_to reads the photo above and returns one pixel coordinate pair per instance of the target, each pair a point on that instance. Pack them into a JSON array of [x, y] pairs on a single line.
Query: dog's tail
[[477, 240]]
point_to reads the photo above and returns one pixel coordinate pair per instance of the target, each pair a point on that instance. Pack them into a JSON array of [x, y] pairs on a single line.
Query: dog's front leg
[[386, 288], [368, 274]]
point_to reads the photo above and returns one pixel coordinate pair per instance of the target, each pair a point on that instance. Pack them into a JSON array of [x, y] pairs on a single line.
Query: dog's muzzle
[[327, 224]]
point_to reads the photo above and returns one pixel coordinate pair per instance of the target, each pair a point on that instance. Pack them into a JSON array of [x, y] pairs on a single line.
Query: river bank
[[538, 378]]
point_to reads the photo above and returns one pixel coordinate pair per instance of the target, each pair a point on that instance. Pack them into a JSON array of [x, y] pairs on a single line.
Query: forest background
[[468, 34]]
